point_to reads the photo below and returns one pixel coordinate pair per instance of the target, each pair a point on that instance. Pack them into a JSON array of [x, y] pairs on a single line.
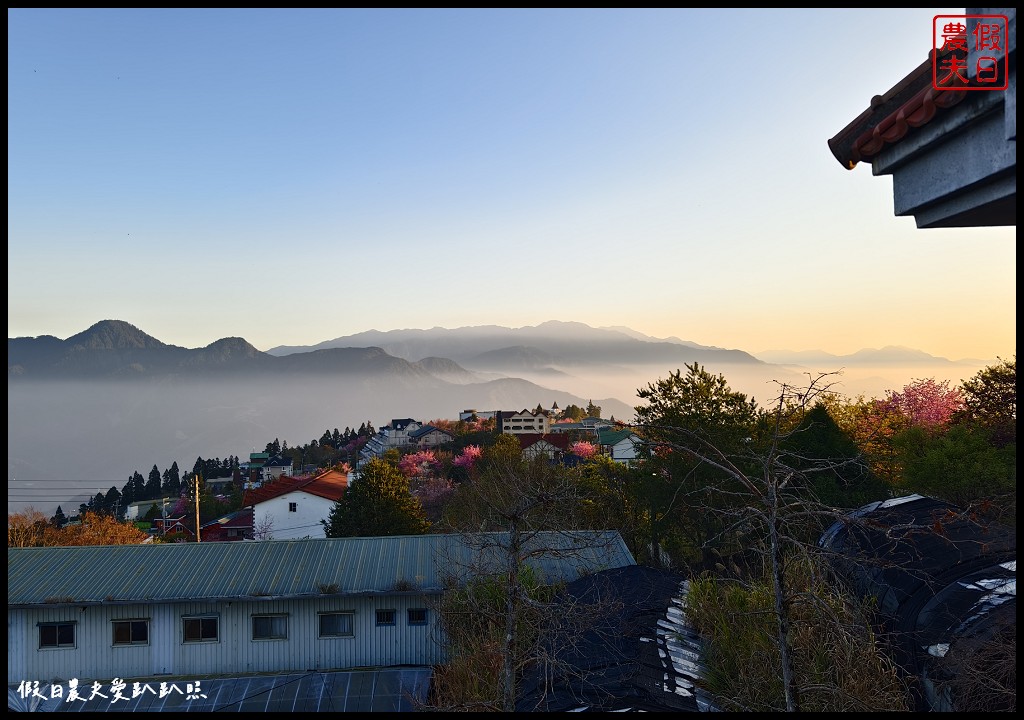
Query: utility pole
[[197, 508]]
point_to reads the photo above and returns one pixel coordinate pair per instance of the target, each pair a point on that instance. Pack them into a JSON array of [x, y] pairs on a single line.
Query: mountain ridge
[[118, 348], [562, 345], [112, 398], [886, 355]]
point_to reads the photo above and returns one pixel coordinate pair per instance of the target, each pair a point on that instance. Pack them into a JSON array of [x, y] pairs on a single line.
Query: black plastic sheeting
[[939, 573], [638, 655]]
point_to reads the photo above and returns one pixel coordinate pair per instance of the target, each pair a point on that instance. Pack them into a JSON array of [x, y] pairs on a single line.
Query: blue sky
[[291, 176]]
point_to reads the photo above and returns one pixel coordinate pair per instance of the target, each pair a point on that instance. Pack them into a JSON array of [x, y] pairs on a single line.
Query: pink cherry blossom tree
[[422, 462], [927, 403], [583, 449], [469, 456]]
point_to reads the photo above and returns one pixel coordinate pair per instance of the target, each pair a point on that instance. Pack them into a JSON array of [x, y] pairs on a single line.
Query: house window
[[269, 627], [417, 616], [131, 632], [385, 617], [200, 629], [336, 625], [292, 507], [56, 635]]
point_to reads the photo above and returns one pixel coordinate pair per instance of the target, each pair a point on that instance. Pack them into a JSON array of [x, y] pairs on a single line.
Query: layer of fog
[[69, 440]]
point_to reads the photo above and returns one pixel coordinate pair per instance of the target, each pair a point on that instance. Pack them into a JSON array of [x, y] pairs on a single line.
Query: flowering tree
[[180, 507], [943, 456], [433, 493], [468, 458], [583, 449], [355, 445], [422, 462], [927, 403]]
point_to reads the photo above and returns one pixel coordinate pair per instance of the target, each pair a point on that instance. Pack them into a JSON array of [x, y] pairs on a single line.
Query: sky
[[293, 176]]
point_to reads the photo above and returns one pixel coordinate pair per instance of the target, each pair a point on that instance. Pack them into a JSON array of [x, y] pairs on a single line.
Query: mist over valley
[[86, 412]]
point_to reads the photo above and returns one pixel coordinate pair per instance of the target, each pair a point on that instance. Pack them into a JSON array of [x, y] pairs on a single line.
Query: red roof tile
[[329, 484], [911, 103]]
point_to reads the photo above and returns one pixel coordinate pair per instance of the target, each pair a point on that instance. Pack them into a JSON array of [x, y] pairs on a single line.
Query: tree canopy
[[673, 487], [990, 400], [377, 503], [30, 529]]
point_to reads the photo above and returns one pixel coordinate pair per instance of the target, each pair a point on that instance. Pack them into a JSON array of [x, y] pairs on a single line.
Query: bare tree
[[520, 520], [765, 505], [263, 528]]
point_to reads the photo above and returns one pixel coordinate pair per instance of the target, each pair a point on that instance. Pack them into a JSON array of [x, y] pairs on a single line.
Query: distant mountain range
[[550, 347], [890, 355], [89, 410], [116, 349]]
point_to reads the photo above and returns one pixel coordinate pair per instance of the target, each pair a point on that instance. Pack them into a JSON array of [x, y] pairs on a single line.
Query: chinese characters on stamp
[[969, 52]]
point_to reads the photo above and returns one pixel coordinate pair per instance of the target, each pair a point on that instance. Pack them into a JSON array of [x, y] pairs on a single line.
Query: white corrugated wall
[[96, 658]]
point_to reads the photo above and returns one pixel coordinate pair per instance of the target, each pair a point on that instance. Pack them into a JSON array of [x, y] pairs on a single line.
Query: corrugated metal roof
[[289, 568]]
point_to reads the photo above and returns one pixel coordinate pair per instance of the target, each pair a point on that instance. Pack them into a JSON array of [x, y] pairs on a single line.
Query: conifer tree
[[378, 503]]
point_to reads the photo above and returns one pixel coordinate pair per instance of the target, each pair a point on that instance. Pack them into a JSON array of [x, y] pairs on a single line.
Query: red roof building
[[293, 507]]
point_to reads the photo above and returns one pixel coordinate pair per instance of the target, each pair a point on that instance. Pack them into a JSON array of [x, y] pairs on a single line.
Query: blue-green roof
[[613, 437], [288, 568]]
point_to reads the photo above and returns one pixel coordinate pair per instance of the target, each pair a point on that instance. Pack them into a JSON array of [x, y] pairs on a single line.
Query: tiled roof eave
[[916, 112], [911, 103]]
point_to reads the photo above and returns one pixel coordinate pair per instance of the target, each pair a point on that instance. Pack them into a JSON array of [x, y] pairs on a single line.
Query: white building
[[212, 609], [393, 435], [622, 446], [523, 422], [292, 507]]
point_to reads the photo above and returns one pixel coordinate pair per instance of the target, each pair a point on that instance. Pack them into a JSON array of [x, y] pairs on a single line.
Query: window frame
[[416, 623], [293, 507], [57, 644], [351, 622], [131, 623], [385, 623], [271, 636], [202, 638]]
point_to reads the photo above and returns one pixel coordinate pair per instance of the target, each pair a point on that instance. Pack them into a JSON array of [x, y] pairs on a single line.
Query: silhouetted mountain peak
[[233, 346], [113, 335]]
